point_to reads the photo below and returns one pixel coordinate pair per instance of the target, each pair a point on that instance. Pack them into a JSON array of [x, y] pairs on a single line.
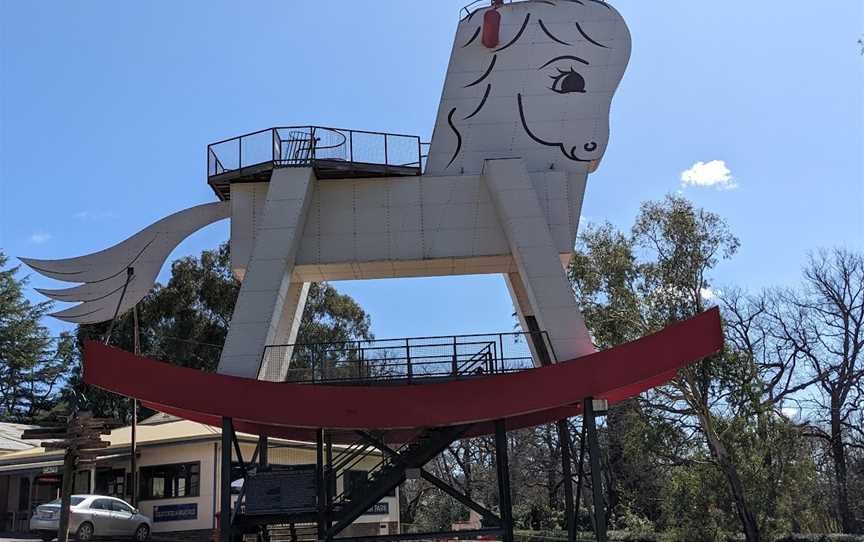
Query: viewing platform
[[406, 361], [334, 153]]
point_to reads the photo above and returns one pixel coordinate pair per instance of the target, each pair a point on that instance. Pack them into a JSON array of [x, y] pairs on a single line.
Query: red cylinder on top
[[491, 26]]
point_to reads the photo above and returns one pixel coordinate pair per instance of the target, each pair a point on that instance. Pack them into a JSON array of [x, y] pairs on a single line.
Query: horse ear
[[491, 28]]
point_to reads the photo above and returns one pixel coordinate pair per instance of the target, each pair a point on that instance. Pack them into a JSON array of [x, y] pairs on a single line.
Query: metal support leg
[[319, 482], [263, 448], [567, 474], [596, 478], [329, 479], [225, 481], [502, 465]]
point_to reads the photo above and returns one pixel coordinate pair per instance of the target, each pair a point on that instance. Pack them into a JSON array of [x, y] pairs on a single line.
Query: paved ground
[[28, 538]]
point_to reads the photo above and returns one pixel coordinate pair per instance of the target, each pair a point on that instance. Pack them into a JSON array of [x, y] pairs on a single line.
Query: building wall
[[300, 456], [208, 454]]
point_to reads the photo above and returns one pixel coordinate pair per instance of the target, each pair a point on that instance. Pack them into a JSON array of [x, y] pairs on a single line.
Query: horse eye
[[567, 81]]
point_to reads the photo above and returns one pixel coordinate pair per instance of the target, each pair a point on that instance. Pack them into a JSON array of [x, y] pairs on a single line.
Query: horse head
[[531, 79]]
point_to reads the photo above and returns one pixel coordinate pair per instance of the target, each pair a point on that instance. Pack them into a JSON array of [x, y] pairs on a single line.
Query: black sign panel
[[378, 509], [175, 512], [290, 489]]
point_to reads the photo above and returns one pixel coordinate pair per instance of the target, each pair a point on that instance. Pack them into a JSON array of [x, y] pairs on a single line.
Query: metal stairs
[[300, 532], [336, 512], [390, 473]]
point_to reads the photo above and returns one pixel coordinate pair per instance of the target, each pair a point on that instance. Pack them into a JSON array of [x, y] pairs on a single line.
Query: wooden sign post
[[81, 438]]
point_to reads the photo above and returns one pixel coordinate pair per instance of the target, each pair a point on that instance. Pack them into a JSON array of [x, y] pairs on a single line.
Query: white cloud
[[40, 238], [89, 215], [714, 173], [707, 294], [789, 412]]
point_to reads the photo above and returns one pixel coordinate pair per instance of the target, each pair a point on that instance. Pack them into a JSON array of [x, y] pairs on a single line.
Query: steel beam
[[465, 500], [319, 483], [502, 466], [596, 478], [263, 449], [329, 480], [225, 481]]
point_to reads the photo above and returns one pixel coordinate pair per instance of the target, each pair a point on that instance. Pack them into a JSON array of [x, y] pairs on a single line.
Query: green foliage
[[710, 443], [32, 365], [438, 513]]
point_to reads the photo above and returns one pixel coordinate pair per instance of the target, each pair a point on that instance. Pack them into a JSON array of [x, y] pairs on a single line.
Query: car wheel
[[142, 533], [84, 532]]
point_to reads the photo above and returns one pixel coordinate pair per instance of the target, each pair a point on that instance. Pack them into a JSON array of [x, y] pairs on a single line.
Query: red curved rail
[[295, 410]]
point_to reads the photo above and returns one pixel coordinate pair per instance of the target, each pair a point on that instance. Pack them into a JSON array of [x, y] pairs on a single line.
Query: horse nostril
[[592, 146]]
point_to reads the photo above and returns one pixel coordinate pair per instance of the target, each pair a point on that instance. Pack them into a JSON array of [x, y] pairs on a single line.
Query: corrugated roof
[[10, 438], [157, 429], [178, 430]]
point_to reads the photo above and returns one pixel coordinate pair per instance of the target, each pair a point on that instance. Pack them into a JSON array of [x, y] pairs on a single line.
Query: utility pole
[[133, 466], [133, 481]]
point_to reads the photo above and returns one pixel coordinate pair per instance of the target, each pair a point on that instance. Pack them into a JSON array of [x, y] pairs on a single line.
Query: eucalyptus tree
[[633, 284]]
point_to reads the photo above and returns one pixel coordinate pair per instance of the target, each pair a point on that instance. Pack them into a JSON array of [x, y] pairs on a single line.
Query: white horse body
[[519, 127]]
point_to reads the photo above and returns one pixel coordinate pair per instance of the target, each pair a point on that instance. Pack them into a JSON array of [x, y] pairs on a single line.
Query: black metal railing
[[476, 5], [303, 146], [403, 359]]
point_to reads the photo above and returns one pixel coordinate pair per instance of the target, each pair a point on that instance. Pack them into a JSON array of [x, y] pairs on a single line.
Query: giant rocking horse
[[523, 119]]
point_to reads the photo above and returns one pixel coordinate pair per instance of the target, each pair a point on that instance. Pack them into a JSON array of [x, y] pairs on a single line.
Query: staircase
[[351, 504], [299, 532], [480, 363], [342, 510]]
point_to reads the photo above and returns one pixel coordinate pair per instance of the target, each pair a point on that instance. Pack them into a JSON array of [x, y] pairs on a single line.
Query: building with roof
[[178, 476], [10, 438]]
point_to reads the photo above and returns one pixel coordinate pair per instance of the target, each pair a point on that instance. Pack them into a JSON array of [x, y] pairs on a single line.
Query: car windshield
[[74, 501]]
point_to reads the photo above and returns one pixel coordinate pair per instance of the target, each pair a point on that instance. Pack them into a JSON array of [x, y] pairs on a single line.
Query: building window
[[111, 482], [170, 481], [353, 480]]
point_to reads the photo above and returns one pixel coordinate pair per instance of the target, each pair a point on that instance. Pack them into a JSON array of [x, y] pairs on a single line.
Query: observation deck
[[334, 153], [406, 361]]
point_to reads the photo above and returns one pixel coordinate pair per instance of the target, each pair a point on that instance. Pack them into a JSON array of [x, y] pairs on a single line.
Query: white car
[[91, 516]]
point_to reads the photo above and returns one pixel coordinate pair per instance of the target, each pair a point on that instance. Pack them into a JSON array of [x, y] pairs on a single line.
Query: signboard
[[175, 512], [378, 509], [288, 489]]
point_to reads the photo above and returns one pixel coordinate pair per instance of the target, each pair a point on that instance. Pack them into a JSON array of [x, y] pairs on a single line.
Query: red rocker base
[[296, 411]]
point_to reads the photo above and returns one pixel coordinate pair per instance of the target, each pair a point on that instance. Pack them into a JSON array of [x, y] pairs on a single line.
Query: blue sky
[[106, 109]]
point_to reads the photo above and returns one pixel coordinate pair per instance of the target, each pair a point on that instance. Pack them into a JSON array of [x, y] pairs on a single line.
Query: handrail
[[256, 132], [467, 9], [408, 359], [314, 143], [421, 338]]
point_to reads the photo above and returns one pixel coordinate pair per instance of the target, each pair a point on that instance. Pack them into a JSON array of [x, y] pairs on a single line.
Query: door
[[100, 515], [121, 518], [5, 517]]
